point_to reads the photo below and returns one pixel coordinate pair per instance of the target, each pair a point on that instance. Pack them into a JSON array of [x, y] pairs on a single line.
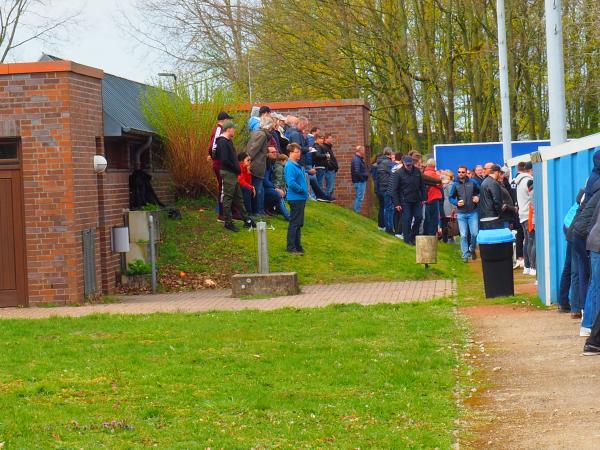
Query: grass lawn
[[339, 377], [341, 246]]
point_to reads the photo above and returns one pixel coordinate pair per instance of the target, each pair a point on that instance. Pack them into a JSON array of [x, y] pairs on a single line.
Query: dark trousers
[[583, 266], [247, 193], [445, 221], [432, 218], [565, 281], [380, 214], [412, 216], [295, 226], [397, 222], [519, 239], [232, 196], [217, 170]]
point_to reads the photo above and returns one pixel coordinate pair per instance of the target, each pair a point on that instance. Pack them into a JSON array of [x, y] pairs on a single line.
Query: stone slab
[[275, 284]]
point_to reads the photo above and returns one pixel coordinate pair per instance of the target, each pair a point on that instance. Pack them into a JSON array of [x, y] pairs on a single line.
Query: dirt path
[[543, 394]]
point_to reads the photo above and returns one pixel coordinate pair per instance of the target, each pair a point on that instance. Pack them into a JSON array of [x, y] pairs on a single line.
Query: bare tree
[[209, 38], [22, 21]]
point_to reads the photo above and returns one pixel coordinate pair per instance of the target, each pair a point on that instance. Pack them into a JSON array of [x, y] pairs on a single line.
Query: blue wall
[[450, 156], [566, 175]]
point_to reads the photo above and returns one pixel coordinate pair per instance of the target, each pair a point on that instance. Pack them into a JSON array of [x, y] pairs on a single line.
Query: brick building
[[56, 213]]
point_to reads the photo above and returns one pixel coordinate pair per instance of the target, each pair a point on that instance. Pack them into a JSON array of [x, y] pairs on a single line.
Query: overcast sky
[[98, 41]]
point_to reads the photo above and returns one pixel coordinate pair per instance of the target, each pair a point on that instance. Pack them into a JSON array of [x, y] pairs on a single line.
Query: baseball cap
[[224, 116], [407, 160]]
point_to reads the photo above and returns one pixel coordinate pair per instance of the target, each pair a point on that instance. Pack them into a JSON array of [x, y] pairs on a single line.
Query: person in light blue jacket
[[297, 194]]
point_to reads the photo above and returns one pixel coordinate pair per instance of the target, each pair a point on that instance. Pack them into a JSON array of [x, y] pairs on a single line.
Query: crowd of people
[[416, 198], [283, 163]]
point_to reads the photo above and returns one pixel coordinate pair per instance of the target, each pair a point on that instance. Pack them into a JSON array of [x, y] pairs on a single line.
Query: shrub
[[139, 267], [184, 119]]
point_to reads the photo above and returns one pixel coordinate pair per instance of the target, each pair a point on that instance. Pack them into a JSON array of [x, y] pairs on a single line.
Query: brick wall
[[348, 121], [57, 114]]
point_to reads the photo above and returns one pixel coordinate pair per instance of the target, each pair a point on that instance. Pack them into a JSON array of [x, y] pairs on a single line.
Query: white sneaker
[[532, 272], [526, 271], [399, 236], [583, 331], [381, 228]]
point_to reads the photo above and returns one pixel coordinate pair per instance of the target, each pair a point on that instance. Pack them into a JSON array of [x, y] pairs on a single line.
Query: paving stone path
[[220, 300]]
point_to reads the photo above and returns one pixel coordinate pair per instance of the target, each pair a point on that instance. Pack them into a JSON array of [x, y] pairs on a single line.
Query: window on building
[[9, 150]]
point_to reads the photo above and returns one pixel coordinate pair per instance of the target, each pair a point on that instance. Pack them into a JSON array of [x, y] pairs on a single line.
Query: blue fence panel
[[566, 176], [450, 156]]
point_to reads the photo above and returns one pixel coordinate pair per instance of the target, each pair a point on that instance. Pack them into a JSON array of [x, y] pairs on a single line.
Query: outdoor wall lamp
[[100, 163]]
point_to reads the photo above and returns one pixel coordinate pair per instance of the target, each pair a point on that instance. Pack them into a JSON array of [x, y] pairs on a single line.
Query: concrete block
[[275, 284]]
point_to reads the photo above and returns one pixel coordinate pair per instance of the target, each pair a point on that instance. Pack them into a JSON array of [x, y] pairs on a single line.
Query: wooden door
[[12, 239]]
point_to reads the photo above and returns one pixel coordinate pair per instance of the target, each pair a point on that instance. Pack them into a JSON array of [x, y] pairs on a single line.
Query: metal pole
[[263, 250], [556, 72], [152, 252], [504, 90]]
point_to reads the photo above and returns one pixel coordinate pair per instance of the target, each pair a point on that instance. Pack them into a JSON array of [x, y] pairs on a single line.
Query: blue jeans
[[258, 202], [582, 261], [592, 301], [359, 188], [564, 301], [468, 224], [412, 215], [576, 300], [320, 177], [380, 216], [330, 180], [432, 218], [388, 213]]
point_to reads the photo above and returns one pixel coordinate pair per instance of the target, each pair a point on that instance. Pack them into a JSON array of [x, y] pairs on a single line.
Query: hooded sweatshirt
[[523, 195], [594, 176]]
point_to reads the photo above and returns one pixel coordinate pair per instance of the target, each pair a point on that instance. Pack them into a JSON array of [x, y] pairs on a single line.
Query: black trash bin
[[496, 251]]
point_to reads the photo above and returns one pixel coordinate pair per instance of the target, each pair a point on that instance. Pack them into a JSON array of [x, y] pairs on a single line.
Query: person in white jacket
[[523, 182]]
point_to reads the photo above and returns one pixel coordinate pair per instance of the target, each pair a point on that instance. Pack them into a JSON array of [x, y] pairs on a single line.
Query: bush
[[184, 120], [139, 267]]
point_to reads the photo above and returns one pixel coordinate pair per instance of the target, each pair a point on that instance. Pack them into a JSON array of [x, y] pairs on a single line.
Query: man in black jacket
[[331, 167], [490, 204], [360, 175], [230, 169], [408, 192], [384, 173]]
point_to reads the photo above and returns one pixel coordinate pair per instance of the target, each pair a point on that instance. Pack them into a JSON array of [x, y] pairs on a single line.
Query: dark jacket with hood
[[384, 173], [594, 176], [226, 153], [294, 135], [584, 219], [490, 203], [407, 186], [332, 163], [593, 240]]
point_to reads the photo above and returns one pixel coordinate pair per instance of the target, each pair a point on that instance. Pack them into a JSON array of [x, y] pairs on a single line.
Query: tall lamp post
[[504, 89], [169, 74], [556, 72]]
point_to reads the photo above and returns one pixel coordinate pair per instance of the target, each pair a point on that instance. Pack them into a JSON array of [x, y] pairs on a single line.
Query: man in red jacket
[[212, 156], [432, 204]]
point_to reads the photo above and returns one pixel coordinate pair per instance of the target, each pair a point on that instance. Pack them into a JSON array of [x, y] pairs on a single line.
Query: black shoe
[[474, 255], [301, 250], [231, 227], [590, 350], [249, 223], [563, 310], [295, 252]]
